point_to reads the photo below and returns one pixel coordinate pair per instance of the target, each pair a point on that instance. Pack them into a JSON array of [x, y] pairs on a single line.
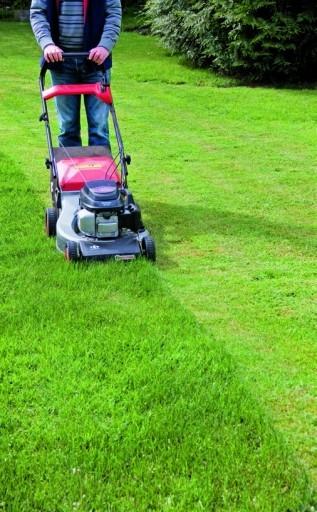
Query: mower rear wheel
[[149, 248], [51, 216], [72, 251]]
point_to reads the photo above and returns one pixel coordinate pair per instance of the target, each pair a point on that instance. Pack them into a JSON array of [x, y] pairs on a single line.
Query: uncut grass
[[121, 372]]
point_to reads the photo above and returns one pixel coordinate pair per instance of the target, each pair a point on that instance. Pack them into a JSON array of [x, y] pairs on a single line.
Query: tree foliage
[[261, 39]]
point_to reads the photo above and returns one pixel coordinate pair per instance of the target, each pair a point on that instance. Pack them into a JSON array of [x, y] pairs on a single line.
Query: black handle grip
[[74, 55]]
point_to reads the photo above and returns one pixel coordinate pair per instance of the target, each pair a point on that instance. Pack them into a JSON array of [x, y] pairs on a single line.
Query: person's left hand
[[98, 55]]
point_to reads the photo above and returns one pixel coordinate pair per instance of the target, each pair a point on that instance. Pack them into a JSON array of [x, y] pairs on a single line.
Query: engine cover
[[98, 225], [102, 195]]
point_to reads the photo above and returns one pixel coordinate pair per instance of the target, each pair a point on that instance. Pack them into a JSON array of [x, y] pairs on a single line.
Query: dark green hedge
[[132, 4], [260, 39]]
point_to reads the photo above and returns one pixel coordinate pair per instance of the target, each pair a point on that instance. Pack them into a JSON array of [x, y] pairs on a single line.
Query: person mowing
[[78, 26]]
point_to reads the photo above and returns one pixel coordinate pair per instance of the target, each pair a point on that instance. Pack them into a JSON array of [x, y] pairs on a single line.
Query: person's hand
[[98, 55], [53, 53]]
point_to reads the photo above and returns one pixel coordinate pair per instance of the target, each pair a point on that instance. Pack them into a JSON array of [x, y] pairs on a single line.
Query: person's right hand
[[53, 53]]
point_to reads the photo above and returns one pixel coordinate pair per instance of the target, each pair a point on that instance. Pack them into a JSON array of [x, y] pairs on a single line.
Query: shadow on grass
[[191, 220]]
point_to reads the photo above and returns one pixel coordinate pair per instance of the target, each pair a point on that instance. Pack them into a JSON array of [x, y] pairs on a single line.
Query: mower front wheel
[[72, 251], [149, 248], [51, 216]]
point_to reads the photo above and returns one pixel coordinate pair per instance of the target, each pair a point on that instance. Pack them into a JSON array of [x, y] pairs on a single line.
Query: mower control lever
[[43, 117]]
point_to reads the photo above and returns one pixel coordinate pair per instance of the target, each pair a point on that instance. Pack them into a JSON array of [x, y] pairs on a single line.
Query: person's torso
[[71, 24]]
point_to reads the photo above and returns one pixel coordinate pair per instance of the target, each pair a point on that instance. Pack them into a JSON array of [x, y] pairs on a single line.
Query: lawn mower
[[94, 215]]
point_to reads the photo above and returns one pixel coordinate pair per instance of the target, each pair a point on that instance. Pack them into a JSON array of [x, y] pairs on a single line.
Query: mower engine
[[101, 203], [101, 225]]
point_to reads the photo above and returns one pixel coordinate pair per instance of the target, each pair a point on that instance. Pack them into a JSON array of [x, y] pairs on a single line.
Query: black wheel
[[72, 251], [51, 216], [149, 248]]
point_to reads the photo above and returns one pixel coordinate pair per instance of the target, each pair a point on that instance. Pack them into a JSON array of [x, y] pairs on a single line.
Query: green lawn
[[190, 386], [227, 176]]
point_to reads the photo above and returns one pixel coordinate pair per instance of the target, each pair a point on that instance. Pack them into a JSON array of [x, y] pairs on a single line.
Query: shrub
[[8, 7], [261, 39], [20, 4], [132, 4]]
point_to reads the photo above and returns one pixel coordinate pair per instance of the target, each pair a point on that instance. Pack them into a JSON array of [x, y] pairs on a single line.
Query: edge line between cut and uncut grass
[[113, 396]]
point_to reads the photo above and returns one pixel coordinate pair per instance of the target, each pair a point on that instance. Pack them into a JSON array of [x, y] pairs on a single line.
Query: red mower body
[[73, 173]]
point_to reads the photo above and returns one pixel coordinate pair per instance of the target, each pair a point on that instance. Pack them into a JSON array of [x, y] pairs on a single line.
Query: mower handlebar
[[74, 55]]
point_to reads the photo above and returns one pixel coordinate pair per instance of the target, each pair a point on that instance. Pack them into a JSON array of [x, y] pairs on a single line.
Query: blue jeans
[[76, 71]]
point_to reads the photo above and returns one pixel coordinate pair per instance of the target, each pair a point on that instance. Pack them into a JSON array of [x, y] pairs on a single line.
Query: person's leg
[[97, 114], [68, 107]]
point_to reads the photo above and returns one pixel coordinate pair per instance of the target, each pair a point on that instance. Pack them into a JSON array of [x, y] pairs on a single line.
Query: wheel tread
[[149, 248], [51, 216]]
